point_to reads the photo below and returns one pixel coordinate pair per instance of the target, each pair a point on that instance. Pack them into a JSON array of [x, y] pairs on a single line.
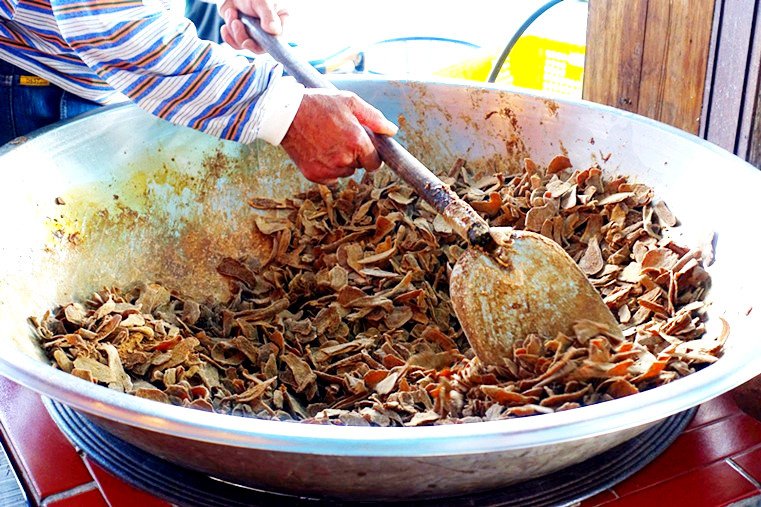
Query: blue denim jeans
[[27, 103]]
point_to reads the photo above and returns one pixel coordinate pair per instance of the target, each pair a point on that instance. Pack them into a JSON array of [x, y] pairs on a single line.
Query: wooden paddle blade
[[535, 287]]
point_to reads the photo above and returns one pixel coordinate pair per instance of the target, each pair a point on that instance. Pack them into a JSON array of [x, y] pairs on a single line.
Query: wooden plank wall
[[650, 57], [695, 64], [730, 102], [613, 62], [754, 148]]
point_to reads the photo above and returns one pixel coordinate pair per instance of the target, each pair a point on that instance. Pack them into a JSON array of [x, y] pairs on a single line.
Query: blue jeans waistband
[[28, 103], [10, 74]]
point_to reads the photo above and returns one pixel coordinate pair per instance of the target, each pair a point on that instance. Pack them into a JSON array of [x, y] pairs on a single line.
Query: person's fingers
[[370, 117], [226, 35], [339, 164], [268, 16], [283, 15], [371, 161], [235, 34], [239, 32], [344, 172], [252, 46], [367, 157], [318, 172], [343, 155], [226, 10]]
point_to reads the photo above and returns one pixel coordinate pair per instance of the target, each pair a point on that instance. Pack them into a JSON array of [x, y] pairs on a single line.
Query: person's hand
[[327, 139], [234, 32]]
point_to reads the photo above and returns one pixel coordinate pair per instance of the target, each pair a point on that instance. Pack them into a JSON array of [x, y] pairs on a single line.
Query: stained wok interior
[[146, 200]]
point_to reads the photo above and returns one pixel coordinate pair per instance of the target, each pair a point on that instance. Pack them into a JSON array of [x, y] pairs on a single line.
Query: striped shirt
[[108, 51]]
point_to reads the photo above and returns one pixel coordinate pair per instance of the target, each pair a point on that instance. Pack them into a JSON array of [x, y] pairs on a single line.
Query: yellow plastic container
[[537, 63]]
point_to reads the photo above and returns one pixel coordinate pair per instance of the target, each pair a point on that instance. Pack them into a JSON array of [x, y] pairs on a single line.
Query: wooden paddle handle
[[463, 218]]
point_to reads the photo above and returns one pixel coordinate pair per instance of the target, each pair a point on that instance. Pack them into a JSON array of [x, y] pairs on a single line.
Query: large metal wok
[[145, 200]]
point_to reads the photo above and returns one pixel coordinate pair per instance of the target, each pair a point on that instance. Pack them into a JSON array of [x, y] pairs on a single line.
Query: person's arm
[[156, 59], [327, 138]]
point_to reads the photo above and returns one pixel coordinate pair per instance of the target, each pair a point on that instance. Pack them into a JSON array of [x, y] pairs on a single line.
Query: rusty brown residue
[[552, 107], [502, 130], [563, 149], [187, 209], [18, 141], [463, 219], [515, 147]]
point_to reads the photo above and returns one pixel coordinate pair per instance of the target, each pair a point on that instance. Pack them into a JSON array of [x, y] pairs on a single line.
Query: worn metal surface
[[529, 285], [148, 200]]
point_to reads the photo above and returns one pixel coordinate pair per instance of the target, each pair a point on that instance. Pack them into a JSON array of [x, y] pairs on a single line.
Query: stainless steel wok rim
[[581, 423], [350, 82], [358, 80], [21, 141]]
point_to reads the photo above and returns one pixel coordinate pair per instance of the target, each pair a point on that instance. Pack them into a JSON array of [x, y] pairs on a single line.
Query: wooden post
[[731, 111], [613, 62], [650, 57], [754, 149]]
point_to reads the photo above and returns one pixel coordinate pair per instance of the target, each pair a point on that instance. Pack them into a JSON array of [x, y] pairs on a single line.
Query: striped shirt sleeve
[[155, 58]]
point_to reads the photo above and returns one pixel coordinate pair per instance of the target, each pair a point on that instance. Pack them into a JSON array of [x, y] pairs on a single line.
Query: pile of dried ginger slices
[[348, 319]]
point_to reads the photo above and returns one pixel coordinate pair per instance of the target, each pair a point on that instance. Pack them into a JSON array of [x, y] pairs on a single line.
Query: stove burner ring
[[193, 489]]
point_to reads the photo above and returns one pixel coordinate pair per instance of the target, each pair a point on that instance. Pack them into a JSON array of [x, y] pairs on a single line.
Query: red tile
[[90, 498], [713, 410], [49, 463], [599, 499], [697, 448], [118, 492], [716, 485], [750, 462]]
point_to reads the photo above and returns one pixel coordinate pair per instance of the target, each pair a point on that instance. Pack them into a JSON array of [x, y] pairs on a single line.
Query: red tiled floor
[[713, 410], [91, 498], [750, 462], [717, 485], [692, 472], [115, 489], [697, 448], [48, 462]]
